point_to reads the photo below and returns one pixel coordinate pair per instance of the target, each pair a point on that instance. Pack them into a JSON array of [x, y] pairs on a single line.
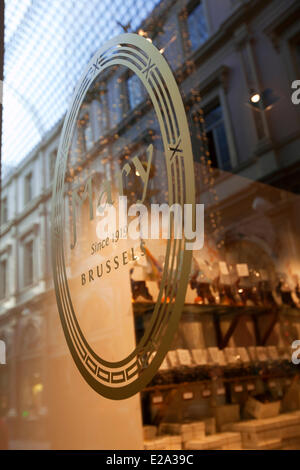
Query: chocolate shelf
[[234, 312]]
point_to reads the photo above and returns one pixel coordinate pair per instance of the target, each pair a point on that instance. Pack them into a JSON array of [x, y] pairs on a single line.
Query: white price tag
[[242, 270], [238, 388], [250, 387], [206, 393], [223, 268], [199, 356], [187, 395], [184, 357], [173, 358], [164, 365], [157, 399], [221, 391]]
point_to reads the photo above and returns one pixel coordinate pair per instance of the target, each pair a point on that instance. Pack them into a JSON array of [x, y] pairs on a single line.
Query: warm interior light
[[37, 388], [255, 98]]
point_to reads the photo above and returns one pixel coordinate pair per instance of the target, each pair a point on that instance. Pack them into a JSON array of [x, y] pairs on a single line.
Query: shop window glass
[[3, 279], [4, 210], [217, 139], [197, 26], [88, 135], [102, 111], [28, 188], [28, 263], [135, 91], [52, 161]]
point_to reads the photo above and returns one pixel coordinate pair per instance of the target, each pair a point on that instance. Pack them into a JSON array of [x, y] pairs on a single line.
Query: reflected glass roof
[[47, 45]]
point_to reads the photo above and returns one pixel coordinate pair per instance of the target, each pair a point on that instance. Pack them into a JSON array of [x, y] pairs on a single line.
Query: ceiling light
[[255, 98]]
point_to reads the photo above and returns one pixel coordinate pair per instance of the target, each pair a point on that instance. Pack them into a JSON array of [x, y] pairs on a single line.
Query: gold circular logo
[[124, 378]]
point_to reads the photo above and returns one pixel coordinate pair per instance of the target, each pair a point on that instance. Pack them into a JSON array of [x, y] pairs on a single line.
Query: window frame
[[28, 185], [186, 11], [216, 95], [5, 219], [99, 103], [51, 165], [29, 239], [127, 77], [4, 259]]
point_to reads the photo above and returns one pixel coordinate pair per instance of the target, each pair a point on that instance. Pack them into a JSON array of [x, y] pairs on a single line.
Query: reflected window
[[3, 279], [102, 111], [4, 211], [197, 26], [217, 139], [28, 263], [52, 161], [28, 188], [88, 134], [135, 91]]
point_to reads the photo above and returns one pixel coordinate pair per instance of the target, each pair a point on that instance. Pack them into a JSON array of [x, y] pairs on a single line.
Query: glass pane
[[197, 27], [135, 91], [213, 117], [74, 284], [223, 151]]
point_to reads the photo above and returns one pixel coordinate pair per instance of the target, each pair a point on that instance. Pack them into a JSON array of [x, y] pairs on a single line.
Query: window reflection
[[135, 91], [217, 139], [197, 26]]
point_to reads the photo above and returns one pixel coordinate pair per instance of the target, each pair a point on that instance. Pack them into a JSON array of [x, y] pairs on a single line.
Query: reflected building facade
[[222, 53]]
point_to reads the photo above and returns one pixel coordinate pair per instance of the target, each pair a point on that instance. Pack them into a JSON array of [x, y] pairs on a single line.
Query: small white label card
[[200, 356], [184, 357], [242, 270], [250, 387], [173, 358], [164, 365], [214, 354], [188, 395], [156, 399], [242, 352], [206, 392], [223, 268]]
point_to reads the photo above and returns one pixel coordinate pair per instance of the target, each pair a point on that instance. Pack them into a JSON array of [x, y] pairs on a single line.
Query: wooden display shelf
[[240, 378], [234, 312]]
